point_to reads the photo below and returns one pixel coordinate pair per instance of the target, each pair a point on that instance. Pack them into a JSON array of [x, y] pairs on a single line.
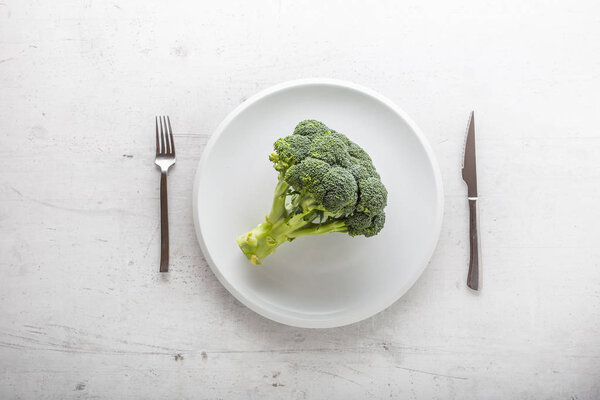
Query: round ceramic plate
[[328, 280]]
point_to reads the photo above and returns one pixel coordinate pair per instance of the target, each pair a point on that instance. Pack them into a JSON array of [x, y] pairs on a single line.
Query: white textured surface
[[83, 312]]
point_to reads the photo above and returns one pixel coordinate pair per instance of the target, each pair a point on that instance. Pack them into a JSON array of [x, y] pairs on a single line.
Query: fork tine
[[167, 135], [162, 137], [157, 145], [171, 136]]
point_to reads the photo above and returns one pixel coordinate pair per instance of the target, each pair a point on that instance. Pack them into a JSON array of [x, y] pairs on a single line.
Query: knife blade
[[469, 173]]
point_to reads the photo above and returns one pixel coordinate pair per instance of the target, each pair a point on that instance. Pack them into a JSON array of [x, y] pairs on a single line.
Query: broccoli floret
[[288, 150], [330, 148], [362, 224], [373, 196], [326, 183], [357, 152], [308, 174], [339, 189], [310, 128]]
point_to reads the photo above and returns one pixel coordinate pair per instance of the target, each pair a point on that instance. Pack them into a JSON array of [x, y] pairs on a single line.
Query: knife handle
[[473, 278]]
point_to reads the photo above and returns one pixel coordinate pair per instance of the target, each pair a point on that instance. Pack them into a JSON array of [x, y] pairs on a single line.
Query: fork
[[165, 158]]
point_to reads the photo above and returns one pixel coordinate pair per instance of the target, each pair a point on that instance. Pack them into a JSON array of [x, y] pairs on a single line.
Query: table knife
[[469, 173]]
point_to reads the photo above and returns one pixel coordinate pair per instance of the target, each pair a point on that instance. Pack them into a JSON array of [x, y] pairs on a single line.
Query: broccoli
[[326, 183]]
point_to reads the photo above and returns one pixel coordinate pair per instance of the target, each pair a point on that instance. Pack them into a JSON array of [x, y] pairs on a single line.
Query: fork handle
[[164, 224], [473, 277]]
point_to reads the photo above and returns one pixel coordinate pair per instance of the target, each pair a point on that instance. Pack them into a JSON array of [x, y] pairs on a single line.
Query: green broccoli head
[[327, 183]]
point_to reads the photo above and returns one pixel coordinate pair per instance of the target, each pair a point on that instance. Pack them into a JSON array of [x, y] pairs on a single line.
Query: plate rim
[[335, 321]]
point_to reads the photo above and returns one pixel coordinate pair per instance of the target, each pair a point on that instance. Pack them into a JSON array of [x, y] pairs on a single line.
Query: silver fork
[[165, 158]]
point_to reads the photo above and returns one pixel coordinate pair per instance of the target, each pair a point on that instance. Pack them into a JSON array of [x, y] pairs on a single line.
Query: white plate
[[333, 279]]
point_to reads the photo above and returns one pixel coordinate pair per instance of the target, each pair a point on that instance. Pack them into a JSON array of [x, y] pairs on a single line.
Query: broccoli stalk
[[326, 183], [285, 223]]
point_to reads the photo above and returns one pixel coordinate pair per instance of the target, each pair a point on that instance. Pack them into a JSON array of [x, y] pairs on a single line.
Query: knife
[[469, 173]]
